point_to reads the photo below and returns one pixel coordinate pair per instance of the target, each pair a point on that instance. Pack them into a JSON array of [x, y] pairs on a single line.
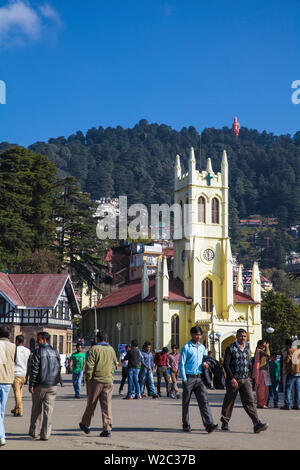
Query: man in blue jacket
[[191, 369], [146, 373]]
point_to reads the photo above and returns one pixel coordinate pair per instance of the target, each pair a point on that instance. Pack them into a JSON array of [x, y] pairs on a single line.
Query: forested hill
[[264, 169]]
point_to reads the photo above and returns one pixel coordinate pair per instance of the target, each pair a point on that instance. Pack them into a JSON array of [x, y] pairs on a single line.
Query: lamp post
[[95, 314], [218, 336], [270, 331], [119, 325], [215, 338]]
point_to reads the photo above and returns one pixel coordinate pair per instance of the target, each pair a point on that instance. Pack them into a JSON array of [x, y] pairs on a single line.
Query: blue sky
[[72, 65]]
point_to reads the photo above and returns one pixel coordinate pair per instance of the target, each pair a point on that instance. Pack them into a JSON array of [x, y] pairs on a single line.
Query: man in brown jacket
[[100, 364], [7, 356], [291, 362]]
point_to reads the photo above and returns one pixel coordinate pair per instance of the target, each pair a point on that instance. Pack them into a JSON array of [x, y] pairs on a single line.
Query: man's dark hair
[[288, 342], [241, 330], [127, 346], [147, 343], [4, 331], [174, 346], [209, 352], [44, 335], [274, 354], [78, 345], [134, 343], [196, 329], [165, 350], [20, 339], [102, 336]]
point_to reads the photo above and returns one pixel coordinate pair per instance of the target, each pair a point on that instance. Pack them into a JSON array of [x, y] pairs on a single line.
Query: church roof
[[131, 293], [241, 298]]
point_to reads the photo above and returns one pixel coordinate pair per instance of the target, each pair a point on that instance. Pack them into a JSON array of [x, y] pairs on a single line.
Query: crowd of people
[[42, 371]]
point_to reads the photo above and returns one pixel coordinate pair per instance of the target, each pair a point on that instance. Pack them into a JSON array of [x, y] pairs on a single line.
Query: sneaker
[[258, 427], [127, 398], [224, 426], [144, 395], [295, 408], [105, 433], [2, 442], [84, 428], [276, 405], [33, 436], [137, 398], [155, 395], [172, 396], [212, 428], [121, 393], [187, 429], [178, 395], [18, 415], [285, 407]]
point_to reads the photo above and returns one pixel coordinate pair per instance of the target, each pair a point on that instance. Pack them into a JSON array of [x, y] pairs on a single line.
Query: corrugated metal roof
[[39, 290]]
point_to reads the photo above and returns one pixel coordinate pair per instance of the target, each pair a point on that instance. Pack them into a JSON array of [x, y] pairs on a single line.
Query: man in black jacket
[[236, 365], [44, 377]]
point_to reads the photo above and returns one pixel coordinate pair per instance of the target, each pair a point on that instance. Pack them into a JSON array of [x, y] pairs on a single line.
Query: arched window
[[215, 211], [175, 330], [207, 295], [201, 210]]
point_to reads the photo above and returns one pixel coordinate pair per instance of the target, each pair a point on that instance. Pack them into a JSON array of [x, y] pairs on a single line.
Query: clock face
[[208, 255]]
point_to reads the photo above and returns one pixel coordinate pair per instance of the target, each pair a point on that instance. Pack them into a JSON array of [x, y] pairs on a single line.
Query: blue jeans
[[147, 376], [133, 383], [77, 381], [4, 392], [290, 381], [273, 391]]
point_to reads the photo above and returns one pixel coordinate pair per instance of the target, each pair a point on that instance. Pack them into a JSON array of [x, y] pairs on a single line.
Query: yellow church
[[163, 308]]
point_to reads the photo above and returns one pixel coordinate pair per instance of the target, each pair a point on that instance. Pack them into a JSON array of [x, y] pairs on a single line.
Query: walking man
[[191, 368], [133, 357], [77, 365], [21, 367], [292, 367], [160, 359], [236, 364], [173, 365], [7, 354], [100, 364], [274, 369], [146, 373], [124, 369], [44, 377]]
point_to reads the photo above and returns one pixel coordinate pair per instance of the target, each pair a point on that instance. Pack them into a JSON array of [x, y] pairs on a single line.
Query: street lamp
[[215, 338], [119, 325], [270, 331], [95, 313]]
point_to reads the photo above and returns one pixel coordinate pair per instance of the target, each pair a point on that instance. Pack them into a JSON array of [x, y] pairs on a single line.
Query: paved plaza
[[150, 425]]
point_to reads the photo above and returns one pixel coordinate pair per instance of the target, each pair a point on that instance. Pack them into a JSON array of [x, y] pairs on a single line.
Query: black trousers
[[124, 377], [162, 372], [196, 386]]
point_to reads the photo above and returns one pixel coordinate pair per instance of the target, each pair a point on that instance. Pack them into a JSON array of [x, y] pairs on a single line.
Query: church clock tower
[[202, 256]]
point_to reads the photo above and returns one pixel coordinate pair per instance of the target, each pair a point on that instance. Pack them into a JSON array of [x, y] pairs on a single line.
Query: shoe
[[13, 411], [276, 405], [172, 396], [285, 407], [212, 428], [178, 395], [77, 396], [295, 408], [224, 426], [105, 433], [137, 398], [127, 398], [121, 393], [2, 442], [155, 395], [84, 428], [18, 415], [159, 394], [33, 436], [187, 429], [258, 427], [144, 395], [263, 407], [44, 439]]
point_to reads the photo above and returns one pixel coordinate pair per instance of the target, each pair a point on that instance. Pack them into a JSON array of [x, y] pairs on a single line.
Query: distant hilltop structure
[[235, 127]]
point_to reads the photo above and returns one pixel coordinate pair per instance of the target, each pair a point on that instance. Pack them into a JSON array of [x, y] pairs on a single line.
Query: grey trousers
[[197, 387], [43, 400]]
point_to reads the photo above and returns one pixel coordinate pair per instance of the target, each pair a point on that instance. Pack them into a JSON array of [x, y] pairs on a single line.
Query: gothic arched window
[[215, 211], [201, 210], [175, 330], [207, 295]]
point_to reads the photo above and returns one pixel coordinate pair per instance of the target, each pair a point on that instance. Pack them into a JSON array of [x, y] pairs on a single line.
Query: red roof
[[131, 293], [33, 290], [241, 298]]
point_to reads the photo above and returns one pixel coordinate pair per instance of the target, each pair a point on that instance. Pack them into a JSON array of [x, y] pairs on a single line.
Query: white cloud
[[20, 22]]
